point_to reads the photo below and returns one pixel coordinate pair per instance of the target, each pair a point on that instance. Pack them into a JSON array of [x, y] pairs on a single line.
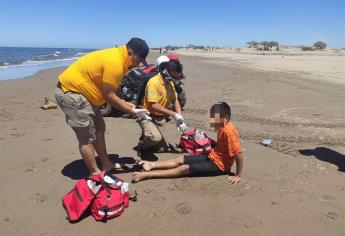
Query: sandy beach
[[294, 187]]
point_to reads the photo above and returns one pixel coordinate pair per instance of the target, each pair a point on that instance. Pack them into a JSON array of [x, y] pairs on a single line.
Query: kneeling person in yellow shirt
[[161, 101], [90, 82]]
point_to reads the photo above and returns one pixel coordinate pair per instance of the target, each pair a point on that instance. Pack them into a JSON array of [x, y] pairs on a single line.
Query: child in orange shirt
[[218, 162]]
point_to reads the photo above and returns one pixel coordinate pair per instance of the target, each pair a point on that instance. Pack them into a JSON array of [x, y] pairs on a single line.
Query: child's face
[[218, 121]]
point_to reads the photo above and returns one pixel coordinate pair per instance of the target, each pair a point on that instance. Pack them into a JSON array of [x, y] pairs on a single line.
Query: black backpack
[[181, 94], [132, 87]]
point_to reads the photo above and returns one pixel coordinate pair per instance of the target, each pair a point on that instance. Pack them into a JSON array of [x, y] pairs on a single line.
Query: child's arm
[[239, 166]]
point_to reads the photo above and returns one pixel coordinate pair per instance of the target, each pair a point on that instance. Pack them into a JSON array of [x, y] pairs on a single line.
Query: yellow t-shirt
[[159, 91], [88, 74]]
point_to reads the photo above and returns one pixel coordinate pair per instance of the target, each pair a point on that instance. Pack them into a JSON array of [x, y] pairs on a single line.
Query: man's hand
[[111, 97], [179, 120], [178, 117], [142, 114], [183, 127], [233, 180]]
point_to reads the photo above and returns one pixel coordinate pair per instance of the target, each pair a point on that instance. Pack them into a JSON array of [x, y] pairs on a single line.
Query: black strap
[[134, 198], [105, 209]]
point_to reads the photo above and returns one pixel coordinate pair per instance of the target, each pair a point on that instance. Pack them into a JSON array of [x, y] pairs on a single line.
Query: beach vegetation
[[319, 45], [304, 48], [266, 45], [252, 44]]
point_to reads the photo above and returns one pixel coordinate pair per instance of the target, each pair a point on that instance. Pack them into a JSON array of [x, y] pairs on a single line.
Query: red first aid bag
[[105, 196], [111, 200], [78, 200], [196, 142]]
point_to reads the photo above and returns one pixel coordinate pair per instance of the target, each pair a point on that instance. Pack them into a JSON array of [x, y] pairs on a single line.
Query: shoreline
[[20, 72]]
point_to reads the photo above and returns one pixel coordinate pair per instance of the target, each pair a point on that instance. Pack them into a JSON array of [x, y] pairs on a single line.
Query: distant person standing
[[90, 82], [160, 50]]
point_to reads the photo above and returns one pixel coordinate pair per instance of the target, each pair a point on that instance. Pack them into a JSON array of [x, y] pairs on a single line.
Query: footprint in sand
[[332, 215], [195, 111], [304, 172], [31, 170], [44, 159], [39, 198], [340, 187], [16, 135], [327, 198], [46, 139], [147, 191], [183, 208]]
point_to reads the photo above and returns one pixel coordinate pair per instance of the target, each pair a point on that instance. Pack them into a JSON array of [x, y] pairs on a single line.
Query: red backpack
[[196, 142], [104, 200]]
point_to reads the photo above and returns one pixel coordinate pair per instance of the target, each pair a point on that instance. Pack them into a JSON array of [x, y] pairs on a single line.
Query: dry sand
[[282, 192], [327, 65]]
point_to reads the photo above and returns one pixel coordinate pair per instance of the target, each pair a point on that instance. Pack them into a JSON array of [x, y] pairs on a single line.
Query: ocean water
[[18, 62]]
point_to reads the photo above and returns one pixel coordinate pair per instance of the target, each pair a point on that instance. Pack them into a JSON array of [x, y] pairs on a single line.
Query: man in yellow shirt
[[161, 101], [90, 82]]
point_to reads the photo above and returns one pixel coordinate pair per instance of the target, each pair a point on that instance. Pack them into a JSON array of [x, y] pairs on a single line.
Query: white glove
[[179, 119], [183, 127], [142, 114]]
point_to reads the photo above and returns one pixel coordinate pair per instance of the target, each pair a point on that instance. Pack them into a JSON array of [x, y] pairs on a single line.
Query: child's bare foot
[[139, 176], [146, 165]]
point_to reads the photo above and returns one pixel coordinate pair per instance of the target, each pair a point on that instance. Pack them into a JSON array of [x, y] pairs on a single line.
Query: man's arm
[[155, 107], [112, 76], [177, 106], [110, 96]]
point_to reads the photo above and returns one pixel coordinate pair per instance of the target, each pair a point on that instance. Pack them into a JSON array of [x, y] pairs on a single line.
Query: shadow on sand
[[78, 170], [327, 155]]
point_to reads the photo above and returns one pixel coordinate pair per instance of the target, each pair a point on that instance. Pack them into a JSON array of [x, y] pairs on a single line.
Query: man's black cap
[[140, 48]]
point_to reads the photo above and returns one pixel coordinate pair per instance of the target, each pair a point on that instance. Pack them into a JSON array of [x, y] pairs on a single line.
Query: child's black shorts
[[201, 165]]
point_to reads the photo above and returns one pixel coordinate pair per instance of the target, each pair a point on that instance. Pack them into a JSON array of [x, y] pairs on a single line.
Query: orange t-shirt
[[228, 146]]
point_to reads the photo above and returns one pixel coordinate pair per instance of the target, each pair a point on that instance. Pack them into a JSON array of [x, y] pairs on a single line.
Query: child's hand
[[233, 180]]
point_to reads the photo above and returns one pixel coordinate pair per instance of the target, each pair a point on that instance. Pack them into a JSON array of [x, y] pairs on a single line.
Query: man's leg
[[102, 151], [80, 116], [151, 134], [87, 143], [100, 145], [88, 154], [163, 145], [179, 171]]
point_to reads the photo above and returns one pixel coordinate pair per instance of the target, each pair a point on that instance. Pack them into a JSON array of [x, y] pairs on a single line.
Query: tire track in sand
[[287, 144]]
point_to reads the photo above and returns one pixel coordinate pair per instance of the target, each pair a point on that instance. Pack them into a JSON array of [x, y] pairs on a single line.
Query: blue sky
[[104, 23]]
